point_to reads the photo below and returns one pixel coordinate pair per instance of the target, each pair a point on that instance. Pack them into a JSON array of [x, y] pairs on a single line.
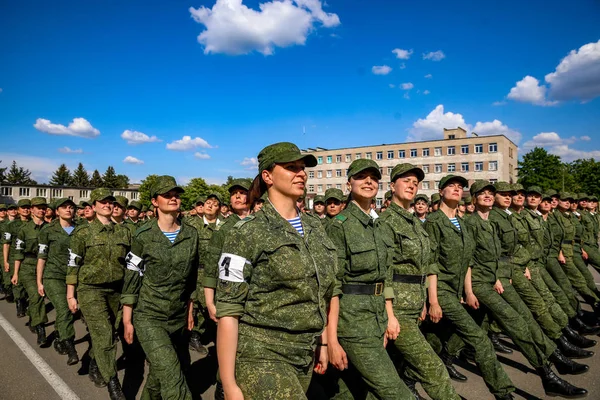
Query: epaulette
[[341, 218], [243, 221]]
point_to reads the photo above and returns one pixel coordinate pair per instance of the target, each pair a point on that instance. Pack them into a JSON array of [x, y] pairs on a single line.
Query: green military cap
[[435, 198], [144, 209], [445, 181], [583, 196], [83, 204], [565, 196], [517, 187], [480, 185], [388, 195], [405, 168], [52, 205], [334, 193], [122, 201], [422, 197], [63, 201], [468, 199], [461, 202], [283, 152], [575, 196], [546, 196], [200, 199], [552, 193], [363, 164], [164, 184], [592, 198], [503, 186], [319, 199], [101, 194], [3, 207], [135, 204], [241, 183], [534, 189], [39, 201], [24, 203], [216, 196], [11, 206]]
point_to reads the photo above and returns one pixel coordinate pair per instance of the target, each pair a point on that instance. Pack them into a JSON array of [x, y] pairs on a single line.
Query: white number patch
[[43, 248], [7, 235], [231, 267], [72, 259], [134, 263], [19, 244]]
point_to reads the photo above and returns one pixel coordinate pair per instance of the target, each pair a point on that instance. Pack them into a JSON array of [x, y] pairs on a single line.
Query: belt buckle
[[378, 288]]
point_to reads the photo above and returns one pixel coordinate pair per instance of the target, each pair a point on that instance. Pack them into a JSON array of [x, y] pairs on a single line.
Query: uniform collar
[[402, 212], [359, 214]]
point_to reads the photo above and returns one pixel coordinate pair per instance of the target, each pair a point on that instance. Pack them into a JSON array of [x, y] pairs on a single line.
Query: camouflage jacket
[[97, 253], [556, 233], [54, 244], [512, 240], [213, 252], [409, 253], [278, 283], [590, 234], [451, 252], [534, 223], [9, 236], [26, 246], [160, 275], [579, 230], [567, 226], [3, 227]]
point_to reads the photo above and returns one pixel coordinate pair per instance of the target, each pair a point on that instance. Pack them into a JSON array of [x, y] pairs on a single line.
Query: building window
[[379, 155], [134, 195], [413, 152], [6, 191], [357, 156], [451, 150], [493, 181], [451, 136], [328, 186], [425, 169], [493, 166], [338, 173], [71, 198], [401, 153], [436, 185], [348, 157], [389, 170], [84, 194], [478, 148], [464, 149], [510, 169], [510, 152], [464, 167], [426, 152], [338, 158], [338, 186], [437, 151], [40, 192], [451, 167], [380, 185], [23, 192], [425, 185], [478, 166], [390, 154], [311, 188], [319, 174], [311, 174], [493, 147], [329, 158], [319, 188], [438, 168], [320, 160], [369, 156], [329, 173]]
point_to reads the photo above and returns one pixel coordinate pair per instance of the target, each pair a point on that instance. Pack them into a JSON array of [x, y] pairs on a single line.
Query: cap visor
[[417, 171]]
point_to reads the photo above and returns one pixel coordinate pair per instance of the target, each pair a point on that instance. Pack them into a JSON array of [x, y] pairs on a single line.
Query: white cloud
[[201, 156], [251, 163], [235, 29], [568, 154], [585, 138], [428, 76], [41, 168], [132, 160], [79, 127], [391, 85], [381, 69], [407, 86], [135, 137], [548, 139], [426, 92], [529, 90], [556, 145], [434, 55], [402, 54], [68, 150], [496, 127], [499, 103], [187, 143], [432, 126]]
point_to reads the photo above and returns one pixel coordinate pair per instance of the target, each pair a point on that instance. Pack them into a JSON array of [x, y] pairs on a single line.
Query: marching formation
[[337, 302]]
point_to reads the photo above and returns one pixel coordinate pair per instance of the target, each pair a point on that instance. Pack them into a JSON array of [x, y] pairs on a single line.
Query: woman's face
[[364, 185], [405, 187], [564, 204], [546, 206], [289, 179], [167, 202], [533, 200], [452, 191], [238, 199], [421, 207], [38, 211], [334, 207], [485, 199], [503, 199], [319, 208], [66, 211], [518, 199], [103, 208]]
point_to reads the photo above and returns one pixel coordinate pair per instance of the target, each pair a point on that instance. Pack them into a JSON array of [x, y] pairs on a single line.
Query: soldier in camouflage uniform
[[319, 208], [409, 258], [421, 206], [133, 214], [334, 203], [97, 267], [580, 256], [158, 285], [89, 214], [358, 314], [275, 283], [54, 241], [3, 221], [590, 232], [9, 238]]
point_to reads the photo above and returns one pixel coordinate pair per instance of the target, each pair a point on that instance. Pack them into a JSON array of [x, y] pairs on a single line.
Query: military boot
[[507, 396], [71, 352], [20, 308], [498, 346], [452, 371], [41, 335], [114, 389], [555, 386], [10, 297], [566, 366], [31, 327], [577, 339], [583, 328], [60, 346], [196, 344], [570, 350], [95, 375], [412, 386]]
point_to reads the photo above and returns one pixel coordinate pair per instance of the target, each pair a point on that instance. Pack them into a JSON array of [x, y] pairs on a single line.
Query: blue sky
[[322, 74]]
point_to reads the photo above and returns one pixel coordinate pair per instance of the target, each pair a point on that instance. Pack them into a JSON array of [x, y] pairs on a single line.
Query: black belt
[[409, 278], [372, 289], [571, 242]]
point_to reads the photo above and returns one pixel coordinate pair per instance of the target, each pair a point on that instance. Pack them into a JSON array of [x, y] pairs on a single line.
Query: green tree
[[2, 174], [587, 175], [61, 177], [196, 187], [110, 178], [19, 175], [145, 188], [96, 180], [80, 177], [123, 181], [545, 170]]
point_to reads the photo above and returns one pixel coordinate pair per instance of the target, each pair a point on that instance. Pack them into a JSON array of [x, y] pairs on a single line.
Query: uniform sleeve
[[20, 245], [335, 231], [387, 235], [76, 256], [43, 244], [6, 234], [134, 272], [211, 259], [434, 239]]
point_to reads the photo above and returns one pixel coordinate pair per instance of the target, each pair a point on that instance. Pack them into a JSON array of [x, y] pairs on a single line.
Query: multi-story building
[[475, 157], [11, 194]]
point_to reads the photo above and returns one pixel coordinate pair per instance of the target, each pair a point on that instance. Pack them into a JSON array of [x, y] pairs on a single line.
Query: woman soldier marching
[[276, 277]]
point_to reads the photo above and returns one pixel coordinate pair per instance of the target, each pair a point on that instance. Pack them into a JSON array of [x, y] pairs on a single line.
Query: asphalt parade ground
[[29, 372]]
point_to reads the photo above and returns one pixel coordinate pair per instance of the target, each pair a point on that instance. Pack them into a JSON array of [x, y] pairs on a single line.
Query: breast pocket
[[363, 255], [284, 262], [508, 236]]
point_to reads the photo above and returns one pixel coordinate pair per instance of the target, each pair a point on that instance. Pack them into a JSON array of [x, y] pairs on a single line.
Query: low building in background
[[11, 194]]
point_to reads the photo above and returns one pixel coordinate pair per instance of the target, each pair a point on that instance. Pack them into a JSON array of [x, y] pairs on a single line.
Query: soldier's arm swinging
[[6, 249], [15, 277], [435, 311], [41, 264], [227, 343]]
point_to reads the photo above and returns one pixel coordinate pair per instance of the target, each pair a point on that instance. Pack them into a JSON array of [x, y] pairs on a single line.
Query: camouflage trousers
[[583, 268], [56, 290], [37, 306], [559, 276], [593, 256], [99, 305], [17, 291], [206, 327], [166, 349], [422, 364], [268, 380], [558, 293], [556, 311], [579, 282], [536, 304], [516, 320]]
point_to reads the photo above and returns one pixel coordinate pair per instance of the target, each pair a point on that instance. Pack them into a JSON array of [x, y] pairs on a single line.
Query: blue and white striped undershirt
[[297, 224], [455, 222], [171, 235]]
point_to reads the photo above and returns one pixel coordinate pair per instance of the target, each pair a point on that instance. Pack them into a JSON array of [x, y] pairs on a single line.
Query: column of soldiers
[[299, 303]]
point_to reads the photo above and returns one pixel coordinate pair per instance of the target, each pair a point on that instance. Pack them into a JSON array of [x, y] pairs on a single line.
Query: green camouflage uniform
[[279, 284], [409, 257], [54, 244], [580, 263], [590, 238], [452, 250], [158, 284], [362, 259], [10, 237], [213, 252], [3, 228], [26, 250], [97, 266]]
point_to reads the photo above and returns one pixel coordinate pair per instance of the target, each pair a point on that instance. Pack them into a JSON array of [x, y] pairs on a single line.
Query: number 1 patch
[[231, 267]]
